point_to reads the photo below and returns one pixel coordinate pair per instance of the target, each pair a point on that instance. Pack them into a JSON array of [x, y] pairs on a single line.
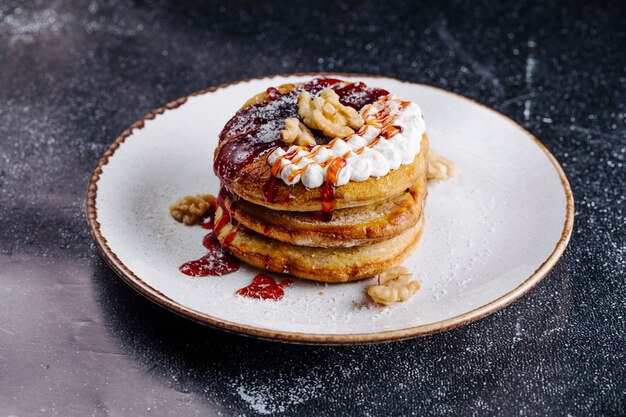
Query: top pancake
[[246, 140]]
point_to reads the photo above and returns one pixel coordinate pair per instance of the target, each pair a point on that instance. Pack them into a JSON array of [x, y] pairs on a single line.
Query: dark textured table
[[76, 340]]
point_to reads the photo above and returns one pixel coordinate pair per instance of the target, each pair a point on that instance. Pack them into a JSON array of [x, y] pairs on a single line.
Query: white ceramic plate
[[491, 233]]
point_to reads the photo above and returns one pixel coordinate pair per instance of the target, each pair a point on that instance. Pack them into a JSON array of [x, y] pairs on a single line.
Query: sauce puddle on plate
[[215, 263], [265, 288]]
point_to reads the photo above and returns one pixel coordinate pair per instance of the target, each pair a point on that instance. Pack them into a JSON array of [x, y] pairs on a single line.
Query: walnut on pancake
[[295, 132], [324, 112]]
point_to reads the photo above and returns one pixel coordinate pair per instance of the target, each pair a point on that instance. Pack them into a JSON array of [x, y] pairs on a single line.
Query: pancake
[[240, 160], [363, 225], [318, 264], [337, 230]]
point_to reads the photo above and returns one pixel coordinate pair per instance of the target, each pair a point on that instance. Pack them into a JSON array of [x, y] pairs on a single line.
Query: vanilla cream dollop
[[390, 137]]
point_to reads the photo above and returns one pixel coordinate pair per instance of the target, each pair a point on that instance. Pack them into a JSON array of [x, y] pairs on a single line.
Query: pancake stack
[[331, 232]]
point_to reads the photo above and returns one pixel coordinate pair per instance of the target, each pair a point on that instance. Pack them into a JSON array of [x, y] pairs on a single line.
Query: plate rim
[[128, 276]]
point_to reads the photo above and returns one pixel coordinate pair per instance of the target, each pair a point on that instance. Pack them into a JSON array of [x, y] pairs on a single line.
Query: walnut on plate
[[394, 285], [439, 167], [297, 133], [324, 112], [191, 208]]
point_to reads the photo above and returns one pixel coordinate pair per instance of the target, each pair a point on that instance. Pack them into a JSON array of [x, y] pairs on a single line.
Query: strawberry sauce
[[208, 220], [265, 288], [270, 189], [215, 263], [327, 194]]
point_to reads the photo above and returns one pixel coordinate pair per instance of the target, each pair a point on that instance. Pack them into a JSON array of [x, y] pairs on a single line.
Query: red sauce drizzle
[[357, 95], [215, 263], [318, 84], [270, 189], [272, 93], [265, 288], [327, 190], [229, 238], [210, 241], [218, 261], [208, 219], [327, 195], [222, 222], [226, 218]]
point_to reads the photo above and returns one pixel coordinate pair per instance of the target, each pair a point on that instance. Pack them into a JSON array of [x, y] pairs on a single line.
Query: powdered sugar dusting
[[277, 395]]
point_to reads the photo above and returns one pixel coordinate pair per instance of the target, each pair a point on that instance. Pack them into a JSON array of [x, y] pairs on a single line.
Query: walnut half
[[439, 168], [191, 208], [394, 285], [297, 133], [324, 112]]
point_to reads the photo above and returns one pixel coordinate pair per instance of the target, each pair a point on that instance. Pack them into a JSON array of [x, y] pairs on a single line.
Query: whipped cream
[[390, 137]]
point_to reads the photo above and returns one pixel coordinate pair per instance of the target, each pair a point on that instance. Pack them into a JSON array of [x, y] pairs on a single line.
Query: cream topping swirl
[[390, 137]]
